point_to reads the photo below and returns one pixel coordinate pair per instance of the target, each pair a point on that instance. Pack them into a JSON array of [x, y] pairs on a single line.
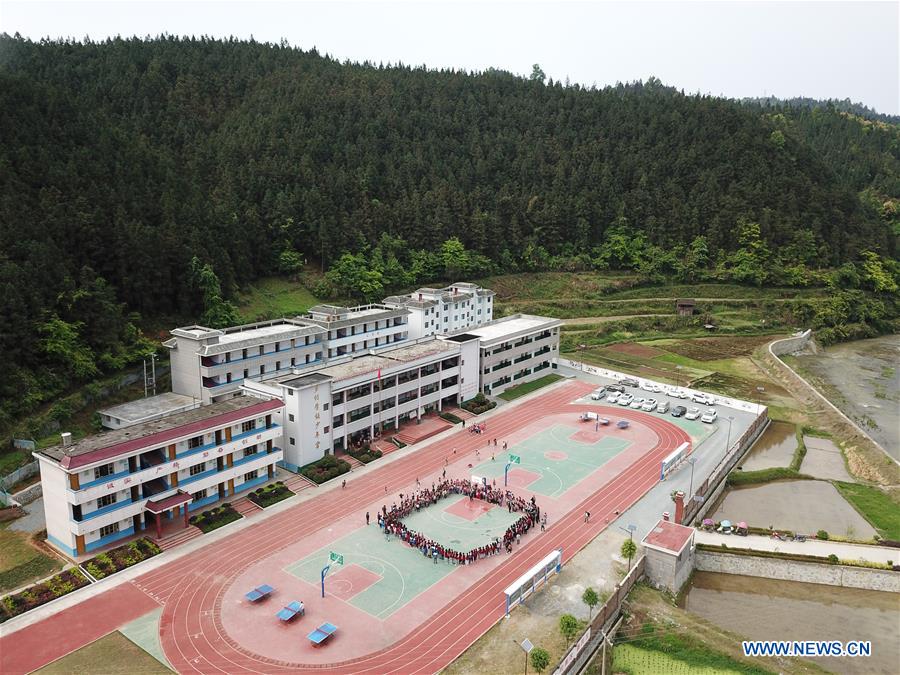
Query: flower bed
[[215, 518], [121, 557], [325, 469], [55, 587], [450, 417], [270, 494], [478, 404], [365, 454]]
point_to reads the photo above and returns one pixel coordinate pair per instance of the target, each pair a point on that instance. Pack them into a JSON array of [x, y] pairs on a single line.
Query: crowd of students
[[391, 521]]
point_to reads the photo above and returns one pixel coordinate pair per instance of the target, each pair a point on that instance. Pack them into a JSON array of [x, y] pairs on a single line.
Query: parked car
[[680, 393], [679, 411], [637, 403], [598, 394], [625, 399], [649, 404], [615, 387], [692, 413], [702, 399], [663, 407], [709, 416], [614, 397], [647, 386], [628, 382], [656, 388]]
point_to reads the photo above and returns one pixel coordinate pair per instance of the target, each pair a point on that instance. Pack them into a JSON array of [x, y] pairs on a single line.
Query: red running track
[[192, 586], [192, 634]]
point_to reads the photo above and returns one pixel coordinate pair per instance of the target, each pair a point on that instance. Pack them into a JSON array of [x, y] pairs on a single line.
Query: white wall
[[469, 369]]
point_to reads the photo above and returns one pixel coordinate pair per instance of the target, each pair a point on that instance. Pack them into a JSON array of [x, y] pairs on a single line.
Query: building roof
[[669, 537], [460, 337], [248, 335], [509, 326], [111, 444], [145, 409], [462, 290], [297, 381], [331, 316], [170, 502]]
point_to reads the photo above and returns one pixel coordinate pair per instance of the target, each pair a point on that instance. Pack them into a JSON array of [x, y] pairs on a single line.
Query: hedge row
[[55, 587], [270, 494], [121, 557], [215, 518], [325, 469]]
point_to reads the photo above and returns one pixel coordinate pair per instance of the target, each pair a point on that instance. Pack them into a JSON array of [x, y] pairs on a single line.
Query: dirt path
[[626, 300], [590, 320]]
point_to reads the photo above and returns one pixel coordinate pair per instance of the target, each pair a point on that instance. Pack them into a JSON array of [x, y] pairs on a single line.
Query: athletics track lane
[[192, 633]]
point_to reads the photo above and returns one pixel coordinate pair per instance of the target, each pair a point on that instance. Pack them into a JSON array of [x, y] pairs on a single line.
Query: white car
[[702, 398], [646, 386], [656, 389], [680, 393], [649, 404], [637, 403], [709, 416], [625, 399], [598, 394], [614, 397], [663, 407], [692, 413]]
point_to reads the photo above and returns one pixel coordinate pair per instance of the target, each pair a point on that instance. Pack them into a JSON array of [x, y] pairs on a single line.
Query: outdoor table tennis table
[[622, 424], [322, 633], [291, 610], [259, 593]]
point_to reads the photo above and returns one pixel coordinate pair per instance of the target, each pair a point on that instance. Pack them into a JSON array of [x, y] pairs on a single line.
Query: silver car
[[663, 407]]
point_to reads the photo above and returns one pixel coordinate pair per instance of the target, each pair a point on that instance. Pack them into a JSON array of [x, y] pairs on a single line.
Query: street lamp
[[526, 647], [692, 461], [728, 441], [582, 348], [678, 375]]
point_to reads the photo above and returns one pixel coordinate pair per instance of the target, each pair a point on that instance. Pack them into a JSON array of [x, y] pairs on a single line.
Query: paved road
[[811, 547]]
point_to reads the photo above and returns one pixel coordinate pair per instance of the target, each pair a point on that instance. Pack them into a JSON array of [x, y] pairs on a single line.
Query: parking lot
[[710, 443]]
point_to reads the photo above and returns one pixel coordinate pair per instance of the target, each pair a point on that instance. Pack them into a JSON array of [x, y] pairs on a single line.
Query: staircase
[[298, 482], [180, 537], [353, 462], [245, 507]]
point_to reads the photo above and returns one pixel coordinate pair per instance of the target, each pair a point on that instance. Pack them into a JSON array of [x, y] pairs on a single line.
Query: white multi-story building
[[353, 330], [107, 487], [514, 349], [210, 364], [440, 311], [360, 398]]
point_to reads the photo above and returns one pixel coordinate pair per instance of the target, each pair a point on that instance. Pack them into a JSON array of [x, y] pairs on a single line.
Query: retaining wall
[[795, 570], [792, 344], [29, 494], [23, 472]]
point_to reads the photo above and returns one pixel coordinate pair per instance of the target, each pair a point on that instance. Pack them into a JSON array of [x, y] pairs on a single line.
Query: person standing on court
[[367, 517], [587, 516]]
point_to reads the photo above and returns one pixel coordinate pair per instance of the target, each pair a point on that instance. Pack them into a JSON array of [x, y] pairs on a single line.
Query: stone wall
[[29, 494], [20, 474], [791, 344], [795, 570]]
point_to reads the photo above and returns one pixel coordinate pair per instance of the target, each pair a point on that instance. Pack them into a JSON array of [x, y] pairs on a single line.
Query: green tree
[[540, 659], [352, 276], [568, 626], [591, 599], [455, 259], [290, 261], [537, 74], [217, 312], [62, 343], [628, 550], [875, 275]]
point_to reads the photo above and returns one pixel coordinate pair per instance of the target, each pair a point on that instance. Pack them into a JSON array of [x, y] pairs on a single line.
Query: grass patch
[[21, 563], [113, 654], [215, 518], [660, 651], [12, 458], [273, 298], [325, 469], [270, 494], [875, 506], [527, 387], [765, 476]]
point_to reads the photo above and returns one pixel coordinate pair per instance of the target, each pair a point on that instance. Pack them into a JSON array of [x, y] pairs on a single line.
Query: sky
[[735, 49]]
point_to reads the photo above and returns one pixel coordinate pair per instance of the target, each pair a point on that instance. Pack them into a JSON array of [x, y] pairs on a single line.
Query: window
[[251, 476], [290, 392], [277, 366], [325, 406], [195, 442], [250, 451], [291, 440], [199, 495], [291, 416], [246, 373], [249, 425], [106, 500], [261, 352], [327, 429], [198, 468], [262, 370], [109, 529], [105, 470]]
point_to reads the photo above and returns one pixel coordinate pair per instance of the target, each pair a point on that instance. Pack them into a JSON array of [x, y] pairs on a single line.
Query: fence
[[583, 649], [735, 453], [20, 474]]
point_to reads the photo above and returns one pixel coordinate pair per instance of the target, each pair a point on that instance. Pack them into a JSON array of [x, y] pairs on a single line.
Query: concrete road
[[810, 547]]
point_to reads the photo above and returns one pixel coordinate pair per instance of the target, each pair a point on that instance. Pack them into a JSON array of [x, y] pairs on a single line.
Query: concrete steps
[[297, 482], [245, 507], [181, 537]]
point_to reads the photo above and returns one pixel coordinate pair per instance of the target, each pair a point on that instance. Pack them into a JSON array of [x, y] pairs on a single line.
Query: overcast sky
[[817, 49]]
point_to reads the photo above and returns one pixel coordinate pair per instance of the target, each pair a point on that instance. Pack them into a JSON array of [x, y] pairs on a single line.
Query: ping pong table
[[322, 633], [291, 610], [259, 593]]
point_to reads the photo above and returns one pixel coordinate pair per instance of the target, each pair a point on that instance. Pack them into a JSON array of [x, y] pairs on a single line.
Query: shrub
[[822, 534], [833, 559], [325, 469]]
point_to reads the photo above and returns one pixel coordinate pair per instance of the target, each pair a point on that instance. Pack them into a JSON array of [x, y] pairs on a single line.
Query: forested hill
[[146, 175]]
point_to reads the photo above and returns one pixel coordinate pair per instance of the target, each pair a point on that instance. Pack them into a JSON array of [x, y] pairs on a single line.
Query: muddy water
[[767, 609], [864, 379], [775, 447]]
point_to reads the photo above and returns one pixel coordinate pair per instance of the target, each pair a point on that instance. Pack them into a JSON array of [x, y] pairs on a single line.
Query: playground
[[392, 608]]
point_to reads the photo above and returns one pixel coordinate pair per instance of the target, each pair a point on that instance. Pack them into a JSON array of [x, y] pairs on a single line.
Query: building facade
[[107, 487], [210, 364], [514, 349], [354, 330], [441, 311], [358, 399]]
